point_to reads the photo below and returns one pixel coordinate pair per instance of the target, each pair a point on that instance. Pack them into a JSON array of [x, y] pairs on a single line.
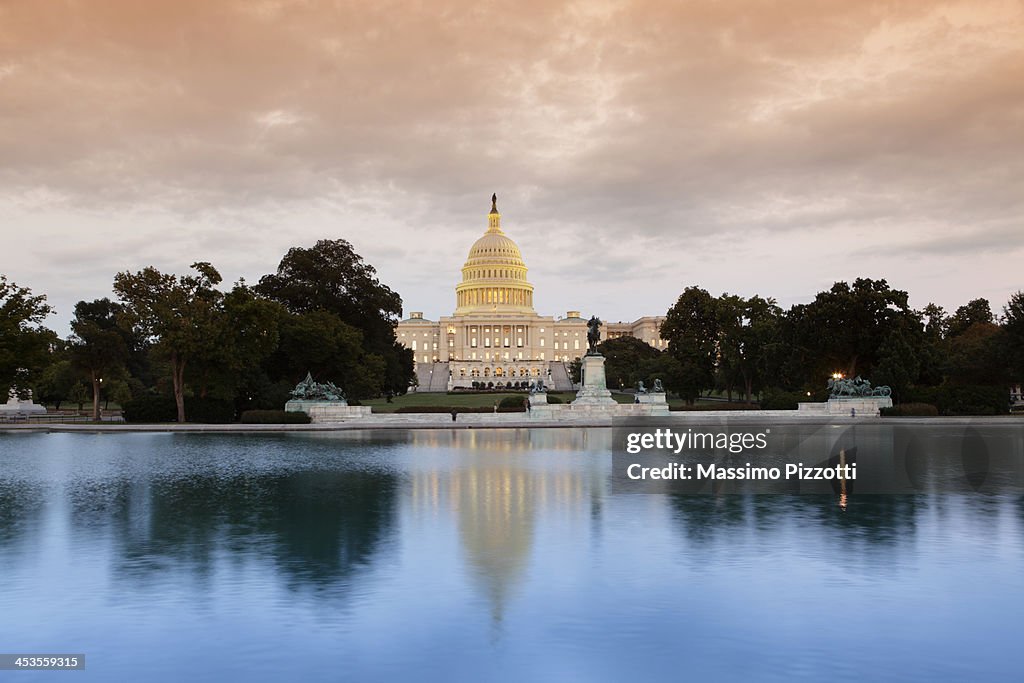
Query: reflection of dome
[[497, 489], [496, 508], [494, 275]]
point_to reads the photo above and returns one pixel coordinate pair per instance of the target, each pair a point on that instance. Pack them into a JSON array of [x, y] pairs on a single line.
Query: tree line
[[323, 311], [752, 347]]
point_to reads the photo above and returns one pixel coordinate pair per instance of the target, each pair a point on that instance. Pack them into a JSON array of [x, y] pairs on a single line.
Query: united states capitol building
[[495, 336]]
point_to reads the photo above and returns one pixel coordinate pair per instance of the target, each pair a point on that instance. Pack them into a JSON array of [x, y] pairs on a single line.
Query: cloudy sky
[[636, 147]]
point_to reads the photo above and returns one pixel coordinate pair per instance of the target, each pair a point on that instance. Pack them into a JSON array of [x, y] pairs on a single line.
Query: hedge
[[910, 409], [783, 400], [156, 408], [274, 417], [150, 408], [961, 399], [209, 410]]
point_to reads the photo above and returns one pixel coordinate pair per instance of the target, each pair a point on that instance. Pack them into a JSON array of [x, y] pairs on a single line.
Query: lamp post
[[97, 388]]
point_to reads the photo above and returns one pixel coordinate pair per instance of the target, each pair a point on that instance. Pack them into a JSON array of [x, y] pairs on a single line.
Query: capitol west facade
[[495, 336]]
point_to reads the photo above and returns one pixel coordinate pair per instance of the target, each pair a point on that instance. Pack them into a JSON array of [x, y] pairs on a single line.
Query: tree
[[844, 328], [178, 315], [248, 331], [55, 383], [692, 329], [931, 352], [747, 329], [320, 343], [576, 370], [1013, 323], [683, 378], [785, 363], [79, 394], [936, 322], [898, 365], [971, 313], [625, 360], [977, 356], [25, 344], [976, 349], [117, 389], [98, 345], [331, 277]]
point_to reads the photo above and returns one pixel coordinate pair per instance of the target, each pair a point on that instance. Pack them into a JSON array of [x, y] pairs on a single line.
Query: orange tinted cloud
[[780, 127]]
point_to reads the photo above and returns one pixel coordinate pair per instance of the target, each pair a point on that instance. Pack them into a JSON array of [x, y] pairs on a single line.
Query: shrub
[[555, 399], [209, 410], [150, 408], [961, 399], [910, 409], [262, 417], [511, 402], [782, 400]]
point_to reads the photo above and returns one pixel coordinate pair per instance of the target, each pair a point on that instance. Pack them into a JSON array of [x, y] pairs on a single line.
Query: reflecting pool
[[480, 555]]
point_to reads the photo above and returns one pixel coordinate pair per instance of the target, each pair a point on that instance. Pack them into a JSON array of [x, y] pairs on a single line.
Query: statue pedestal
[[595, 388], [16, 406], [866, 406], [652, 399], [328, 411], [539, 398]]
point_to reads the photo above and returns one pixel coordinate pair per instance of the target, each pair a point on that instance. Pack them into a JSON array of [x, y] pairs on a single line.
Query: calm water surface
[[489, 555]]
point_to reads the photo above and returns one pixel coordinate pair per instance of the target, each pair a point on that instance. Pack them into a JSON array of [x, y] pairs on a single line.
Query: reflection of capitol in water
[[496, 485], [590, 441]]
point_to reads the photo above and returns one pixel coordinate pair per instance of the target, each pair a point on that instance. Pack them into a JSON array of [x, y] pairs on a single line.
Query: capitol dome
[[494, 275], [495, 247]]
